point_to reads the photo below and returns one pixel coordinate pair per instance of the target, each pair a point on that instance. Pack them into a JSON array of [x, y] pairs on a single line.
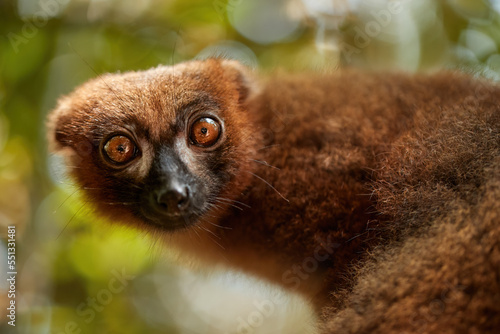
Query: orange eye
[[120, 149], [205, 132]]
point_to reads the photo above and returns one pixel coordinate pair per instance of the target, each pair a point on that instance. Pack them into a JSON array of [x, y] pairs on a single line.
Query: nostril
[[173, 200], [183, 200]]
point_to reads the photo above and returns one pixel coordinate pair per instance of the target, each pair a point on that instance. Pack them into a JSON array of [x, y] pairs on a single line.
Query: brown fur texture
[[375, 195]]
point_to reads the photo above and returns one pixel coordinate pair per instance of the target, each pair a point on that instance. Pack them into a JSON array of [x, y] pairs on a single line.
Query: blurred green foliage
[[68, 256]]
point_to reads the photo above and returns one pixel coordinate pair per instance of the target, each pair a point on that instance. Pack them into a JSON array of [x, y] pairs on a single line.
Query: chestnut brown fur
[[375, 195]]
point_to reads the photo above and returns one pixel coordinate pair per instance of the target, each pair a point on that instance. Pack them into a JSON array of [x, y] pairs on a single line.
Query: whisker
[[121, 203], [276, 190], [265, 164], [117, 191], [215, 241], [67, 198], [131, 183], [220, 226], [196, 232], [233, 201], [268, 146], [227, 203], [214, 205], [71, 219], [212, 216], [220, 249], [212, 233]]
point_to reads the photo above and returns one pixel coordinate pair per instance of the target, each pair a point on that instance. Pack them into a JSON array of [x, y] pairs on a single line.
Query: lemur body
[[325, 184]]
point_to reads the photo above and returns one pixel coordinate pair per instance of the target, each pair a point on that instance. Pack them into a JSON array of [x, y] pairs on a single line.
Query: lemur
[[375, 195]]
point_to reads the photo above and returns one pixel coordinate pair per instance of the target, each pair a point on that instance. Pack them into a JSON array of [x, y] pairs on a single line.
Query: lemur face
[[181, 172], [164, 147]]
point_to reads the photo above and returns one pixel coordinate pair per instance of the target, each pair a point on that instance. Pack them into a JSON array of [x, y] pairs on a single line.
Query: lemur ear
[[243, 77], [58, 138], [61, 134]]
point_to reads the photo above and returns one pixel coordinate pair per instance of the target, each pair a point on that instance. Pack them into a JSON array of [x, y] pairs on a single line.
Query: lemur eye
[[205, 132], [120, 149]]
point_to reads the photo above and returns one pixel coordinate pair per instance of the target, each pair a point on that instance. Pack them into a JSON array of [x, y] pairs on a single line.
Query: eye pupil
[[204, 131]]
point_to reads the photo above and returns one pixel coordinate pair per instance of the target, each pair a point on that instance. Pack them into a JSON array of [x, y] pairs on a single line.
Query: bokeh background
[[78, 275]]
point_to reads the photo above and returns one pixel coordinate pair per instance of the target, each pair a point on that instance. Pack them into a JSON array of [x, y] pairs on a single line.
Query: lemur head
[[164, 148]]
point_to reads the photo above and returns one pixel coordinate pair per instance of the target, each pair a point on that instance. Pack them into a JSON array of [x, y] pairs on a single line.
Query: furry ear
[[57, 127], [60, 136], [242, 76], [55, 136]]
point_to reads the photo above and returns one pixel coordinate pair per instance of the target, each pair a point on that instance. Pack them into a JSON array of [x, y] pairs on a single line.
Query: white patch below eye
[[186, 155], [139, 169]]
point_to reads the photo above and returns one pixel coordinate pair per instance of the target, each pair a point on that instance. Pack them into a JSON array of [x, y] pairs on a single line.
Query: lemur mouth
[[168, 223], [175, 209]]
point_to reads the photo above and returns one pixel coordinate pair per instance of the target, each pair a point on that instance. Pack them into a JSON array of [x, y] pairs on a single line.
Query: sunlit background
[[76, 274]]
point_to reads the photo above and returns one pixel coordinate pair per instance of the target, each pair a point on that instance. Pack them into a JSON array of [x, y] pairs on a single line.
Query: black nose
[[172, 199]]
